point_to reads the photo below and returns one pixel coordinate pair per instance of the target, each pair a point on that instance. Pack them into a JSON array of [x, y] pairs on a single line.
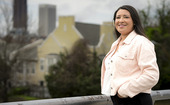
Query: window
[[27, 70], [50, 61], [20, 68], [33, 68], [42, 64], [26, 65]]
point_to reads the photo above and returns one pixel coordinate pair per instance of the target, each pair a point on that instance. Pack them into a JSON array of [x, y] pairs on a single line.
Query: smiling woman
[[130, 15], [130, 69]]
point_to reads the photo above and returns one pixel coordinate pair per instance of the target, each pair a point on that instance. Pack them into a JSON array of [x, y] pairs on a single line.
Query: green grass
[[21, 98], [28, 97]]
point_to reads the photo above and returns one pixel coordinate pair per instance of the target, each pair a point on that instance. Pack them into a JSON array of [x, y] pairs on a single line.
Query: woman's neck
[[123, 37]]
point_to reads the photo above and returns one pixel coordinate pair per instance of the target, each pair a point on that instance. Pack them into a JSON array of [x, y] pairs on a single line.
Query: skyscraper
[[20, 14], [47, 19]]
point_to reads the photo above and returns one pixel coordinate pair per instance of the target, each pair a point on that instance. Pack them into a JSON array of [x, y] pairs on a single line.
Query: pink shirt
[[134, 68]]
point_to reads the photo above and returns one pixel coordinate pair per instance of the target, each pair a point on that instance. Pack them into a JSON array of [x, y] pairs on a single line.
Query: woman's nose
[[121, 19]]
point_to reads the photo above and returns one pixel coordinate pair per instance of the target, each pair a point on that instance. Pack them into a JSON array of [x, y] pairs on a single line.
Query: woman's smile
[[121, 25]]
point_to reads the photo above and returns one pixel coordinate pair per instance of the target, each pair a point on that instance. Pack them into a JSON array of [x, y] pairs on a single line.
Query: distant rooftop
[[91, 32]]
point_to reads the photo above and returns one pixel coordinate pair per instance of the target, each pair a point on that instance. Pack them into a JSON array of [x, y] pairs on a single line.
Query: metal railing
[[87, 100]]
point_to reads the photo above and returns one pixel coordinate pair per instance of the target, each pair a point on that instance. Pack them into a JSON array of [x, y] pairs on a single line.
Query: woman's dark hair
[[135, 17]]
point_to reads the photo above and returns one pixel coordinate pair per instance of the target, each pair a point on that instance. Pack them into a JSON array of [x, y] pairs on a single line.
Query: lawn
[[21, 98]]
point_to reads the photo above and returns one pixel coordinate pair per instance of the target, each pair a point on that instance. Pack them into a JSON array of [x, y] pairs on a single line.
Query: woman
[[129, 70]]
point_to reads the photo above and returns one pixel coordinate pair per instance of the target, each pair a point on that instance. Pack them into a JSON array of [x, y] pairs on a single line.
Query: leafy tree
[[159, 33], [6, 65], [9, 43], [77, 73], [9, 62], [4, 77], [6, 17], [162, 48], [144, 16]]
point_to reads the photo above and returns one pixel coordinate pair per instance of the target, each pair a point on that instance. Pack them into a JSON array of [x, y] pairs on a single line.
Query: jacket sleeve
[[147, 63]]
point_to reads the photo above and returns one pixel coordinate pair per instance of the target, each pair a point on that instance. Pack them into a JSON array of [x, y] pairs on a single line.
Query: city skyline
[[85, 11], [89, 11], [47, 19]]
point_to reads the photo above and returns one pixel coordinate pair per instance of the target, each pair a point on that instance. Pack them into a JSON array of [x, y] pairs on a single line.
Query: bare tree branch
[[6, 16]]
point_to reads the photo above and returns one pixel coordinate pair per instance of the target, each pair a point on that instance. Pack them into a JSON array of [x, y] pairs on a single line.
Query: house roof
[[30, 51], [91, 32]]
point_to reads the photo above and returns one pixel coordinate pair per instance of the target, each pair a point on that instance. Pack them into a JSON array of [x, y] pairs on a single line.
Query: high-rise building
[[47, 19], [20, 15]]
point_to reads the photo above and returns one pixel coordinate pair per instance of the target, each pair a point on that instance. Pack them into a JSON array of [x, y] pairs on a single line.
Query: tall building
[[20, 15], [47, 19]]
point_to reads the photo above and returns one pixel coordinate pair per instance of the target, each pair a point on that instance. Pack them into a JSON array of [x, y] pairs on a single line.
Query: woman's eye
[[117, 17], [126, 17]]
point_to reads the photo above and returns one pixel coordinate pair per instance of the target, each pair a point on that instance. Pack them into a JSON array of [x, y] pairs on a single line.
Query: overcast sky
[[88, 11]]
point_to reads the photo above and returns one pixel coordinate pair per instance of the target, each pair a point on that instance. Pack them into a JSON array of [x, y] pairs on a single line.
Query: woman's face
[[123, 22]]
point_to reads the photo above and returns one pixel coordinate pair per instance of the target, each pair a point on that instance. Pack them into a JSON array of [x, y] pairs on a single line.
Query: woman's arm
[[146, 59]]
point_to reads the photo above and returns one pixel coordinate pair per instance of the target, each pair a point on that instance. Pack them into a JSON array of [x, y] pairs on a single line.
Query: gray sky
[[88, 11]]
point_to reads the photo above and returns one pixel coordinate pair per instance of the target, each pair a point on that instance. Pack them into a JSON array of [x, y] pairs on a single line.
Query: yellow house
[[62, 38], [107, 37], [66, 34]]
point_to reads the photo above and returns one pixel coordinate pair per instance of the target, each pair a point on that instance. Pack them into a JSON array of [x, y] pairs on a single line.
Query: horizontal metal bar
[[83, 100], [86, 100], [160, 95]]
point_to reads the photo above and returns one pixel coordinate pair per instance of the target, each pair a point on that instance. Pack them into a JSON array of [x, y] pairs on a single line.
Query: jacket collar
[[130, 37]]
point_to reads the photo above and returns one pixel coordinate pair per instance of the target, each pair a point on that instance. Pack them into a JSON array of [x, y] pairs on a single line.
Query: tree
[[145, 17], [6, 17], [4, 75], [10, 62], [77, 73], [11, 44], [159, 33], [6, 65], [162, 48]]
